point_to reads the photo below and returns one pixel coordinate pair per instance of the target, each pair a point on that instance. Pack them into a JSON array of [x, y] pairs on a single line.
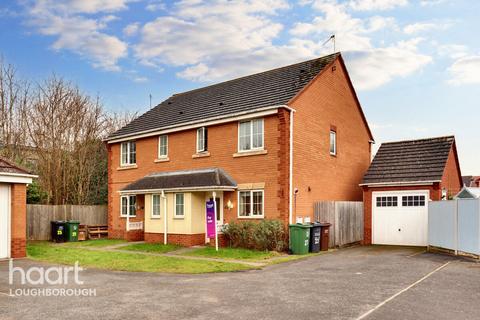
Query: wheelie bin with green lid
[[299, 240], [72, 230]]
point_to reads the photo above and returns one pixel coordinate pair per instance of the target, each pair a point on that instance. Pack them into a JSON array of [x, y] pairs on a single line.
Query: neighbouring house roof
[[471, 181], [9, 167], [468, 193], [410, 161], [211, 178], [266, 89]]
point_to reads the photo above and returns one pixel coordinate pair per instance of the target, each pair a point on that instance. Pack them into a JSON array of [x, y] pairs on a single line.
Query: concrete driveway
[[354, 283]]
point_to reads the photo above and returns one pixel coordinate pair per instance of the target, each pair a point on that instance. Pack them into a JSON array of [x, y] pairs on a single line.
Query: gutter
[[193, 189], [399, 183]]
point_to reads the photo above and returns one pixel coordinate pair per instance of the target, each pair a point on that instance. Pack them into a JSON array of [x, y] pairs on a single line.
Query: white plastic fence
[[455, 225]]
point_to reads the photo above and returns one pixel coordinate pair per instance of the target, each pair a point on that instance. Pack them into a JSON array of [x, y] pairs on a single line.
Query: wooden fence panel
[[325, 212], [346, 218], [39, 217]]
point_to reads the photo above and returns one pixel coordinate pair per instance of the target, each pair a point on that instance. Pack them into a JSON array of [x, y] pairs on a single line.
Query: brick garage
[[403, 177], [13, 210]]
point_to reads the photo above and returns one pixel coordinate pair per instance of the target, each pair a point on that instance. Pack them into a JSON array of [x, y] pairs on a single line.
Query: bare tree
[[62, 128], [14, 95]]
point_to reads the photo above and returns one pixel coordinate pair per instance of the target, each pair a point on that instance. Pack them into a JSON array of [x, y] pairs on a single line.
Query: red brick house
[[402, 178], [13, 209], [266, 146]]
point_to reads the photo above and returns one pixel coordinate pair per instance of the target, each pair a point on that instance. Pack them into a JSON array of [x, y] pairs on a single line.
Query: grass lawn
[[151, 247], [55, 253], [94, 243], [233, 253]]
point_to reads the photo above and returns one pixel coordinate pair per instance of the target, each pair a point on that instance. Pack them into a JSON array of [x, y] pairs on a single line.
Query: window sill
[[125, 217], [249, 153], [161, 160], [155, 218], [250, 218], [179, 218], [127, 167], [201, 155]]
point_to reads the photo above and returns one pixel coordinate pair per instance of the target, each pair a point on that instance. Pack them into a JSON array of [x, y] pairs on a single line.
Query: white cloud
[[374, 67], [369, 66], [378, 5], [140, 79], [426, 26], [85, 6], [79, 33], [198, 34], [155, 6], [465, 70], [131, 29], [216, 40], [453, 51], [430, 3]]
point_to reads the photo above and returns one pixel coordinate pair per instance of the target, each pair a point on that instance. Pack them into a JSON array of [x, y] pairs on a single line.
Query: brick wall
[[328, 103], [452, 178], [270, 168], [186, 240], [18, 220]]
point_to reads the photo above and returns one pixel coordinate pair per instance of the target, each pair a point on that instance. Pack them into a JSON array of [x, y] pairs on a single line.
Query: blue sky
[[415, 64]]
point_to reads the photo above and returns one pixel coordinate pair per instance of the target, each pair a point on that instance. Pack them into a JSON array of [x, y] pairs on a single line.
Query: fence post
[[456, 227]]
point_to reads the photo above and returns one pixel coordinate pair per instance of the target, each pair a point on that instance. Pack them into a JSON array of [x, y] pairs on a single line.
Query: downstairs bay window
[[250, 204]]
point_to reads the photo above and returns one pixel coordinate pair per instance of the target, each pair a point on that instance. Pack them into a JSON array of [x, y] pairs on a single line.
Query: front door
[[218, 210], [4, 221]]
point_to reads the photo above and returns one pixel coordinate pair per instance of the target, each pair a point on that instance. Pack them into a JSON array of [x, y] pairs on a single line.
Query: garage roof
[[210, 178], [266, 89], [410, 161], [9, 167]]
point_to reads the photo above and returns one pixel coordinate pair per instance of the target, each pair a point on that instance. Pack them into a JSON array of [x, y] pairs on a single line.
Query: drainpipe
[[290, 170], [165, 217]]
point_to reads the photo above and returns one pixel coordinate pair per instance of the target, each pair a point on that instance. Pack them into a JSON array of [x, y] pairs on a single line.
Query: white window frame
[[177, 216], [251, 216], [128, 206], [334, 133], [201, 133], [159, 155], [128, 145], [251, 135], [159, 215]]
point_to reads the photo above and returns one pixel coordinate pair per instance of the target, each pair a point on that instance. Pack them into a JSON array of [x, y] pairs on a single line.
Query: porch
[[172, 205]]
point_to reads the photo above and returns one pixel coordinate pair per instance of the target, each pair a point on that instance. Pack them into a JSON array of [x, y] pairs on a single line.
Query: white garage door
[[400, 218], [4, 221]]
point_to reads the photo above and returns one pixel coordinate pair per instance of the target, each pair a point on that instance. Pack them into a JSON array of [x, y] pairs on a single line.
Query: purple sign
[[211, 219]]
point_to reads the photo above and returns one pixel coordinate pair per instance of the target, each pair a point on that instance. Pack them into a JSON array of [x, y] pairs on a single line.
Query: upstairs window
[[163, 146], [333, 142], [202, 139], [128, 153], [250, 135], [128, 206]]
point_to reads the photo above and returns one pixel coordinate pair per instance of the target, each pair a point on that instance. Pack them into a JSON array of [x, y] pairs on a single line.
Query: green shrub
[[265, 235]]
